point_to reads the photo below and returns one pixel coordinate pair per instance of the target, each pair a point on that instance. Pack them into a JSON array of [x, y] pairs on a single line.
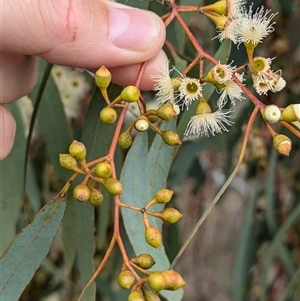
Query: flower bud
[[68, 162], [125, 140], [141, 125], [135, 296], [271, 113], [153, 118], [126, 279], [291, 113], [171, 138], [259, 64], [153, 237], [96, 197], [219, 7], [163, 196], [81, 193], [130, 94], [166, 112], [283, 144], [157, 281], [176, 82], [113, 186], [102, 77], [108, 115], [169, 215], [77, 150], [149, 296], [103, 170], [174, 281], [145, 261]]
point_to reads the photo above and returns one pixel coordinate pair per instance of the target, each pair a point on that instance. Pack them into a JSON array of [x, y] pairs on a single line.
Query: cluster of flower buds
[[165, 112], [157, 280], [273, 114], [170, 215], [101, 173], [129, 94]]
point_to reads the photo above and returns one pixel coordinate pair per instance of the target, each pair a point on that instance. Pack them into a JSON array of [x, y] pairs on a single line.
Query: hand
[[78, 33]]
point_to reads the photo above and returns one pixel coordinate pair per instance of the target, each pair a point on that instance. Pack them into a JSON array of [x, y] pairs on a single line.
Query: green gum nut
[[150, 296], [103, 170], [96, 197], [108, 115], [126, 279], [174, 281], [77, 150], [113, 186], [163, 196], [157, 281], [125, 140], [145, 261], [171, 138], [81, 193], [153, 237], [130, 94], [170, 215], [68, 162], [135, 296], [102, 77], [166, 112]]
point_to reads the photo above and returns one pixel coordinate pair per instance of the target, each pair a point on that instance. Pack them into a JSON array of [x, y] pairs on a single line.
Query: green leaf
[[246, 252], [53, 123], [134, 177], [32, 189], [11, 182], [276, 245], [27, 251], [85, 245], [69, 235], [159, 162], [185, 157], [270, 194]]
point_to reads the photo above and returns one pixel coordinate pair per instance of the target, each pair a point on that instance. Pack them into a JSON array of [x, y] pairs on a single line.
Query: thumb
[[86, 33], [7, 131]]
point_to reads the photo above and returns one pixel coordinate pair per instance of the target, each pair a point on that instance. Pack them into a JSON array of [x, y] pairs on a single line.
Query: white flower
[[227, 31], [190, 89], [206, 122], [261, 67], [163, 85], [279, 84], [263, 82], [235, 7], [253, 28], [232, 91], [222, 73]]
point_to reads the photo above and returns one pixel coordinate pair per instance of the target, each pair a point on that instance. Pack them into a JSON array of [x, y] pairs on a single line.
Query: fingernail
[[133, 29]]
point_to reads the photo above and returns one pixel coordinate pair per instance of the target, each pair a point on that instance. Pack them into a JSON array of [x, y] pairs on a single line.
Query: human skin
[[78, 33]]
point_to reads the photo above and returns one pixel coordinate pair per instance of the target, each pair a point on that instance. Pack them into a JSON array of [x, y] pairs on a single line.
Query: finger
[[18, 75], [7, 132], [87, 33]]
